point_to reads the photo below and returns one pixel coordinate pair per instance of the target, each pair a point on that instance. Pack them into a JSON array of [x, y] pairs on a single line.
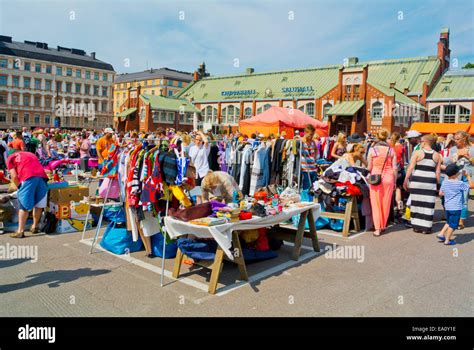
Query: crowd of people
[[403, 172]]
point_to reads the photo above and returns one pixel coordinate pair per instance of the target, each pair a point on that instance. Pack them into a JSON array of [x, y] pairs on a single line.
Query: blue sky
[[266, 35]]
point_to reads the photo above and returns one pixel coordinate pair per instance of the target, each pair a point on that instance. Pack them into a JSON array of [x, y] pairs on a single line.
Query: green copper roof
[[309, 83], [399, 96], [126, 112], [454, 85], [406, 73], [169, 103], [346, 108]]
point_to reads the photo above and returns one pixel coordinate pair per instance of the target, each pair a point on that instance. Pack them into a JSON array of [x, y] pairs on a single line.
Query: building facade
[[46, 87], [354, 97], [452, 99], [145, 112], [159, 82]]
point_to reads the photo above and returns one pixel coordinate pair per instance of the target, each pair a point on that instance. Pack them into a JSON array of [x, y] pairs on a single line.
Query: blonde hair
[[382, 135], [340, 137], [431, 139], [464, 135], [394, 138], [209, 181], [186, 139]]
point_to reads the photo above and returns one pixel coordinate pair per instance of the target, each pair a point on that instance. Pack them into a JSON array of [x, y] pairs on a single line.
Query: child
[[453, 191]]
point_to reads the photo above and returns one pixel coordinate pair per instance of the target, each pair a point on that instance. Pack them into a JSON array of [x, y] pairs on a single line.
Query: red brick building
[[354, 97]]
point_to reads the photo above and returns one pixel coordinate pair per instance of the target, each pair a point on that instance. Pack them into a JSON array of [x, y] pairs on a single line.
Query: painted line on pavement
[[151, 267]]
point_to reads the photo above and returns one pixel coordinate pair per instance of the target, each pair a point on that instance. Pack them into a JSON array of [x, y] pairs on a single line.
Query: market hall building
[[354, 97]]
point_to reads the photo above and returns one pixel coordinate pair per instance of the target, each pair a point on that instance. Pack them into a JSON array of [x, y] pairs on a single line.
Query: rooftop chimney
[[6, 39], [93, 55], [444, 53], [250, 71]]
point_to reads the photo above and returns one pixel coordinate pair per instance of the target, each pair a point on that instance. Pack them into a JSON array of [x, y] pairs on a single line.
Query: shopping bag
[[119, 241], [157, 247], [114, 191]]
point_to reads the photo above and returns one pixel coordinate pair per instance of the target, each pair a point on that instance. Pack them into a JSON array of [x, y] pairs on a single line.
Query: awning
[[440, 128], [126, 112], [346, 108], [471, 129]]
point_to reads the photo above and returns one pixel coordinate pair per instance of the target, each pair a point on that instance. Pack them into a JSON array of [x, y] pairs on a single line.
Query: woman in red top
[[399, 152]]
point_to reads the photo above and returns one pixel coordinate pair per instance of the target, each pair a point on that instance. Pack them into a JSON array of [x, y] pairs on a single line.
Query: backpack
[[48, 223]]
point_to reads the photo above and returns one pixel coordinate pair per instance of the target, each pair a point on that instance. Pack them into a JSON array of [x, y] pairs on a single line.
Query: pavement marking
[[151, 267], [263, 274]]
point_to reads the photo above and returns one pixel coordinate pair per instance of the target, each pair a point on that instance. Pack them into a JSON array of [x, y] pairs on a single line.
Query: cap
[[452, 169], [108, 131], [412, 134]]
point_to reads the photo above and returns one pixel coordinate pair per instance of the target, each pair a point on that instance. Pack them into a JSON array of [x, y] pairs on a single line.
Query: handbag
[[376, 179], [187, 214]]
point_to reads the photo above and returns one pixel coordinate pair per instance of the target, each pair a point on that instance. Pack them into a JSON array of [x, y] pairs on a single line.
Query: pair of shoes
[[17, 235], [35, 230], [441, 239], [451, 242]]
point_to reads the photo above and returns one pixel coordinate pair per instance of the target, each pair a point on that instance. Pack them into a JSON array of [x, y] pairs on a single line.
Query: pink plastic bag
[[114, 191]]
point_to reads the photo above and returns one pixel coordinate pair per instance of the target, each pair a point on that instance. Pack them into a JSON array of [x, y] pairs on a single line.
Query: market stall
[[227, 237], [275, 120]]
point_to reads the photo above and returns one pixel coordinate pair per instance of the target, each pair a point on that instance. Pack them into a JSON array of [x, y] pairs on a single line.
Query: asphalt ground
[[401, 273]]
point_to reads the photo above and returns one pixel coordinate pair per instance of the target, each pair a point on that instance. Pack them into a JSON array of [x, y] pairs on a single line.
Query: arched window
[[259, 110], [327, 106], [224, 115], [434, 115], [377, 111], [209, 116], [248, 112], [464, 114], [230, 114], [310, 109], [267, 106]]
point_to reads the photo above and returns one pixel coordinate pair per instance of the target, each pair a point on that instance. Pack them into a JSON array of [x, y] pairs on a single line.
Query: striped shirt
[[308, 157], [454, 194]]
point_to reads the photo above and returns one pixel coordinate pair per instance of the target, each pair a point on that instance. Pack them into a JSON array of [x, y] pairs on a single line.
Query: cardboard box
[[68, 194], [72, 225], [73, 210]]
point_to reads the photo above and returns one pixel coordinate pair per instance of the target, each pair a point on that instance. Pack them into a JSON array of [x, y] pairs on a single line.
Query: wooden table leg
[[216, 270], [239, 260], [347, 218], [177, 263], [299, 236], [355, 212], [312, 231]]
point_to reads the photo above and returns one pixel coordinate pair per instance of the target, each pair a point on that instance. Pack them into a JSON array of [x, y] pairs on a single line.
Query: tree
[[469, 65]]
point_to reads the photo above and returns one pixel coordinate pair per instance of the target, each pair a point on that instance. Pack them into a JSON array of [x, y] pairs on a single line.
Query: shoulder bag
[[376, 179]]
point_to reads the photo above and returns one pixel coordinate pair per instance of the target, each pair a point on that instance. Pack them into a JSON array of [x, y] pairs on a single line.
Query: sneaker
[[441, 238], [451, 242]]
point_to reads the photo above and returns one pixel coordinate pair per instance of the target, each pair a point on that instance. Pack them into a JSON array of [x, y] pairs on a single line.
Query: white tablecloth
[[223, 233]]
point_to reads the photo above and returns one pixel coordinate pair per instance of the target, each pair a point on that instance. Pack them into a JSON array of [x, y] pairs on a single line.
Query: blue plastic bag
[[119, 241], [157, 247]]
